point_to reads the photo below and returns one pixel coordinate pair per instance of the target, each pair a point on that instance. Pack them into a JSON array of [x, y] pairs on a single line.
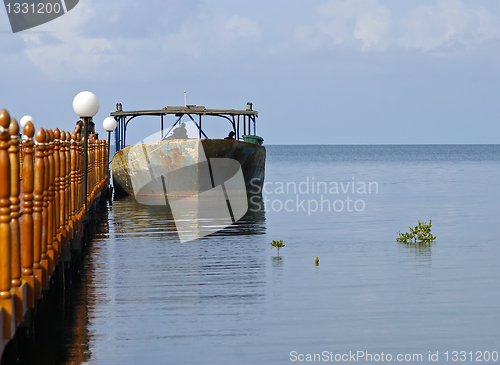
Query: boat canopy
[[193, 112]]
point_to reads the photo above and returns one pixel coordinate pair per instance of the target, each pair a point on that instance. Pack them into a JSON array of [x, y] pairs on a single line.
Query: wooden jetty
[[42, 206]]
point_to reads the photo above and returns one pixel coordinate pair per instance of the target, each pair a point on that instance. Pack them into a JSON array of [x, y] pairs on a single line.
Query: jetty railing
[[42, 205]]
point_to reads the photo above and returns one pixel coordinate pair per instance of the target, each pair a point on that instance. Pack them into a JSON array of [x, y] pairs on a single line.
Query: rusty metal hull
[[179, 155]]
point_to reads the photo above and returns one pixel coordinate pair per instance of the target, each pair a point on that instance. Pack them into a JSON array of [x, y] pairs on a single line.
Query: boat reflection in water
[[153, 296], [155, 221]]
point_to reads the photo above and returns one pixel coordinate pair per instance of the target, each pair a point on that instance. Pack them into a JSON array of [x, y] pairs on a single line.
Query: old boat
[[170, 164]]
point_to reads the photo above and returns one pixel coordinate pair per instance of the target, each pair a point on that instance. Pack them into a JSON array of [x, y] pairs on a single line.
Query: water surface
[[227, 298]]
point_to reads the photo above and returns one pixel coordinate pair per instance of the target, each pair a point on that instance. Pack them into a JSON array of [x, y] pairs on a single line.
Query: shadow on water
[[58, 333]]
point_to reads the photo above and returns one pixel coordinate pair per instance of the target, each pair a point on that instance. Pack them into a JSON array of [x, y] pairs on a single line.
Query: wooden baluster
[[105, 159], [94, 170], [73, 181], [103, 155], [62, 186], [6, 302], [15, 234], [38, 212], [99, 163], [52, 254], [57, 205], [45, 213], [78, 182], [81, 199], [69, 227], [21, 158], [89, 172], [27, 219]]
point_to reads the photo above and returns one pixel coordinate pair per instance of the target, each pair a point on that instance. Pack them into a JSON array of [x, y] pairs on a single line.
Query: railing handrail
[[41, 207]]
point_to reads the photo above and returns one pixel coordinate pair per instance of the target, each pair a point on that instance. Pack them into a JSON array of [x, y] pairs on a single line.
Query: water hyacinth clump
[[421, 234]]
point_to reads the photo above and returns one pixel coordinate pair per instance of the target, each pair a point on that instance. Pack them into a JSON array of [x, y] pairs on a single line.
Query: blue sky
[[318, 72]]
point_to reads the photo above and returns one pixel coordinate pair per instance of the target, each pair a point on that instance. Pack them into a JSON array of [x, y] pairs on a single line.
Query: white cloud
[[241, 27], [369, 26], [448, 22], [366, 21], [64, 45], [69, 46]]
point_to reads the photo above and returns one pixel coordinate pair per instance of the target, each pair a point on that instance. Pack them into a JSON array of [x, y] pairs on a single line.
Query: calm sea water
[[228, 299]]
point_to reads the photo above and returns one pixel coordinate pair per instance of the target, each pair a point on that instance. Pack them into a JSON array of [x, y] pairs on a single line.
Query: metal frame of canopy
[[233, 116]]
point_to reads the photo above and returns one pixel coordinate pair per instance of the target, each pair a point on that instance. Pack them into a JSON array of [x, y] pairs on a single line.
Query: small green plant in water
[[278, 244], [421, 233]]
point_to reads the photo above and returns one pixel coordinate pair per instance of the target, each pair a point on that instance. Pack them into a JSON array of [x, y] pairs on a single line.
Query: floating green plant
[[278, 244], [421, 233]]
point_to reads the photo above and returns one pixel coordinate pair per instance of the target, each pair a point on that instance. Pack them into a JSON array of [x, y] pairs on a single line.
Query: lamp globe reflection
[[109, 124], [86, 104]]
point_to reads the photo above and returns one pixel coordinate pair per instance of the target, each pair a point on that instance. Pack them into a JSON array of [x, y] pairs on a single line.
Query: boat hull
[[141, 169]]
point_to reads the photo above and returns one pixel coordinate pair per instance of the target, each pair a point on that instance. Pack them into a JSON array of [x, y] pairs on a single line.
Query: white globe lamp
[[86, 104], [26, 119], [109, 124]]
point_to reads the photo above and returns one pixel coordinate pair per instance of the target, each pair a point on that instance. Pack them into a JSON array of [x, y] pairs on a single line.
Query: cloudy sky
[[318, 71]]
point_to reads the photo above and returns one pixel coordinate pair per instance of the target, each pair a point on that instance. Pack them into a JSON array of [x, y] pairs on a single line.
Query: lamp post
[[109, 125], [85, 105]]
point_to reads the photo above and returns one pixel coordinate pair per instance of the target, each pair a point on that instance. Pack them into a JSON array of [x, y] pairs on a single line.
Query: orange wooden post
[[78, 181], [14, 220], [6, 302], [38, 212], [21, 158], [52, 255], [45, 213], [27, 210], [57, 198], [103, 155], [106, 158], [69, 227], [81, 192], [91, 170], [98, 164], [62, 186], [94, 167], [73, 181], [105, 147], [101, 161]]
